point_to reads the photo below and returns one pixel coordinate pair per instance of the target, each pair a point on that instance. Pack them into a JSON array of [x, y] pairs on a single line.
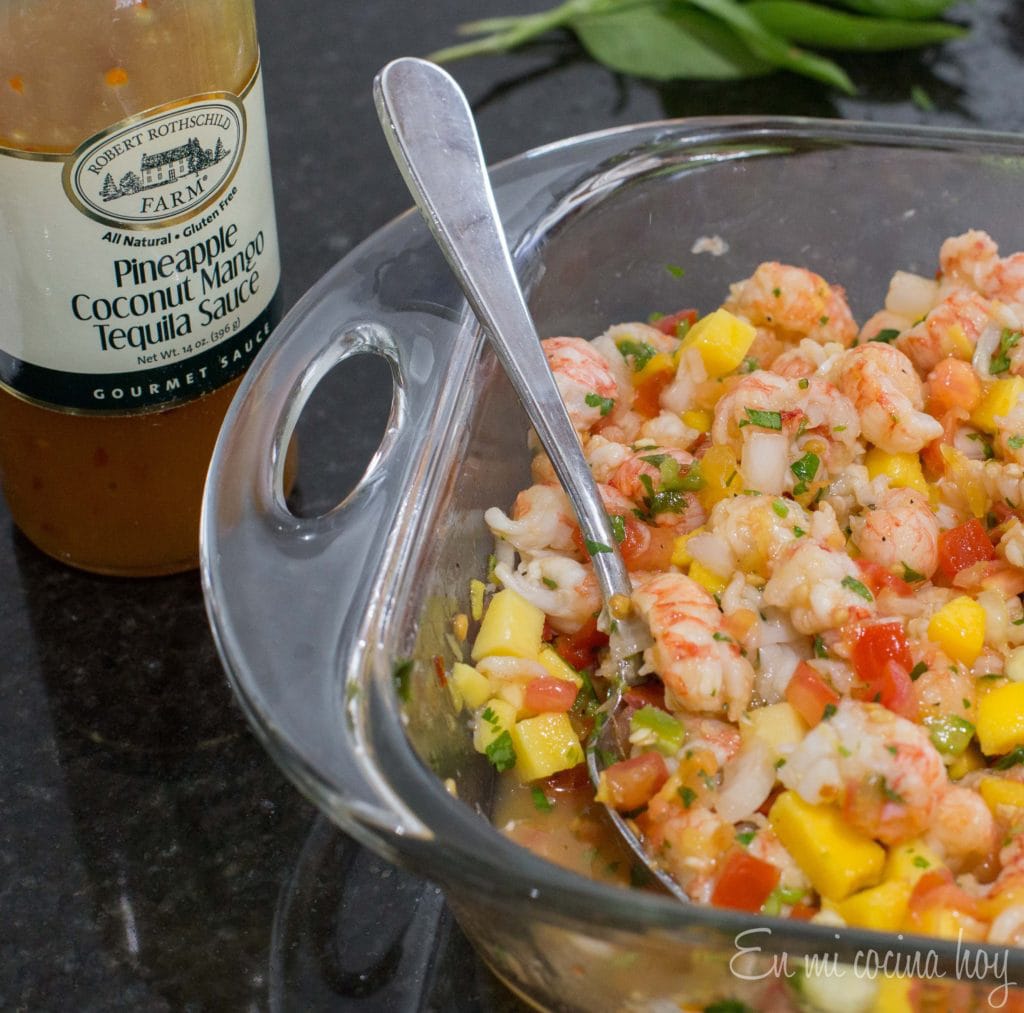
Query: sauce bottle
[[138, 266]]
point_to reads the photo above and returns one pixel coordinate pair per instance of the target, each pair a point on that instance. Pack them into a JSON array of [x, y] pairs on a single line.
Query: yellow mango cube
[[970, 759], [473, 686], [723, 341], [545, 745], [778, 725], [998, 401], [496, 717], [557, 666], [893, 995], [708, 579], [1000, 725], [902, 470], [835, 858], [698, 419], [511, 627], [680, 554], [721, 473], [909, 861], [998, 793], [882, 908], [659, 363], [959, 629]]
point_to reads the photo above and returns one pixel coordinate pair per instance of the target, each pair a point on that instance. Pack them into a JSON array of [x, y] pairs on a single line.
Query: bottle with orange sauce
[[138, 266]]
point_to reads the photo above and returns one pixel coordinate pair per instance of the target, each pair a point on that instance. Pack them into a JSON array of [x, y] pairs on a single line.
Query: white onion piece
[[988, 342], [777, 663], [910, 295], [747, 781], [765, 462], [713, 552], [997, 617], [500, 667]]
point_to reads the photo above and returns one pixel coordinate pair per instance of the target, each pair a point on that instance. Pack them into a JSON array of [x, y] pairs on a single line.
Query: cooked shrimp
[[972, 260], [667, 429], [584, 378], [1011, 544], [880, 767], [542, 522], [807, 359], [962, 827], [944, 689], [883, 320], [700, 665], [881, 383], [650, 479], [604, 456], [953, 327], [756, 528], [819, 585], [564, 590], [900, 533], [720, 738], [794, 303], [766, 846], [689, 843]]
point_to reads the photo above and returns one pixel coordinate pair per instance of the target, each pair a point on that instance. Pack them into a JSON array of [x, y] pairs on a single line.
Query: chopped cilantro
[[799, 532], [489, 716], [639, 351], [749, 365], [618, 523], [829, 711], [776, 292], [806, 468], [501, 752], [548, 582], [780, 508], [540, 801], [723, 637], [911, 576], [1000, 361], [1015, 442], [889, 793], [854, 585], [746, 836], [917, 671], [688, 795], [767, 420], [921, 862], [606, 404], [886, 335], [595, 547], [820, 650]]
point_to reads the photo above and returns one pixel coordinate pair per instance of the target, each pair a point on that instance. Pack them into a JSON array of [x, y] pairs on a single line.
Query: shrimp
[[953, 327], [881, 768], [604, 456], [900, 533], [881, 383], [883, 320], [756, 529], [651, 477], [807, 359], [542, 522], [972, 260], [667, 429], [564, 590], [584, 378], [810, 413], [962, 827], [819, 585], [794, 303], [943, 689], [689, 843], [1011, 544], [701, 665]]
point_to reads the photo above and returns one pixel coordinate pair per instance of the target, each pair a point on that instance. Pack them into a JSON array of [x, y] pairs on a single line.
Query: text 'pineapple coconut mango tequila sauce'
[[138, 266]]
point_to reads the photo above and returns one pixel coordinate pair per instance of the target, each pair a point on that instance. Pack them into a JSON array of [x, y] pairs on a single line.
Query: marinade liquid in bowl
[[344, 686]]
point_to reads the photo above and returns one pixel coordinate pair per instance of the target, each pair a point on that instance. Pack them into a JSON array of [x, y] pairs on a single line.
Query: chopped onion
[[988, 342], [500, 667], [747, 781], [765, 462], [997, 617], [777, 663], [713, 552], [910, 295]]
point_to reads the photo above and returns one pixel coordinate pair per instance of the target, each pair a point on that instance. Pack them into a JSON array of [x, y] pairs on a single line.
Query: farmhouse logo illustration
[[161, 168]]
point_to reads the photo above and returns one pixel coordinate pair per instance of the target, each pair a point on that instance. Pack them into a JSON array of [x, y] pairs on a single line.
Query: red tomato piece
[[646, 694], [882, 662], [630, 784], [647, 399], [964, 546], [578, 649], [809, 694], [657, 551], [936, 889], [548, 694], [878, 578], [669, 324], [745, 882], [802, 912]]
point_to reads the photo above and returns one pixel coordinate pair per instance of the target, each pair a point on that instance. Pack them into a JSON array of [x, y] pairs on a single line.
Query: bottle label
[[141, 270]]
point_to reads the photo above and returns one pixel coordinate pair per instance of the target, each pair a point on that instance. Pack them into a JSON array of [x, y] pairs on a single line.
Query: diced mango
[[513, 692], [723, 341], [958, 471], [909, 861], [881, 907], [698, 419], [837, 860], [545, 745], [778, 725], [721, 474], [902, 470], [557, 666], [680, 554], [659, 363], [999, 399], [970, 759], [994, 905], [959, 629], [998, 792], [708, 579], [496, 717], [511, 626], [473, 686], [893, 995], [1000, 724], [945, 923]]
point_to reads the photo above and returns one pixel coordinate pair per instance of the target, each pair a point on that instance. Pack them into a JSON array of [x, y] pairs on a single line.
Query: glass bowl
[[328, 626]]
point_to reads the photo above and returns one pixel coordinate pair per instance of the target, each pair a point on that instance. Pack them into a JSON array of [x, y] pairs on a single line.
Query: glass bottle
[[138, 266]]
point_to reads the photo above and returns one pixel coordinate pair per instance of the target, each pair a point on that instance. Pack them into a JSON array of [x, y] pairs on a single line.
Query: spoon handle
[[430, 129]]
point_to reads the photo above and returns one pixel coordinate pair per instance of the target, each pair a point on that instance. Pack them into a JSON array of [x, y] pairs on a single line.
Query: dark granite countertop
[[151, 855]]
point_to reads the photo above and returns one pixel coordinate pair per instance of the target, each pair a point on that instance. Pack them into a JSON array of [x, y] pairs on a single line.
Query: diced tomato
[[882, 663], [963, 546], [952, 384], [578, 649], [647, 399], [936, 889], [630, 784], [802, 912], [569, 781], [546, 694], [646, 694], [670, 324], [931, 457], [878, 578], [657, 550], [745, 882], [809, 694]]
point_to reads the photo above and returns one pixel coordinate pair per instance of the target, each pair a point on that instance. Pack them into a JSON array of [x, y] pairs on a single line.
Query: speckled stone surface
[[151, 855]]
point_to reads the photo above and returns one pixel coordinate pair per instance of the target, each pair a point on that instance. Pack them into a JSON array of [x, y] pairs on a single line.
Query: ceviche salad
[[822, 523]]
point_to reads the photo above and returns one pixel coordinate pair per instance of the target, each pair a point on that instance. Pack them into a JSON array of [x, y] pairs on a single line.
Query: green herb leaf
[[618, 523], [806, 467], [688, 795], [820, 650], [744, 837], [779, 508], [639, 351], [854, 585], [501, 752], [540, 801], [606, 404], [1000, 361], [912, 576], [595, 547], [1010, 759], [917, 671], [886, 335], [1015, 442], [767, 420]]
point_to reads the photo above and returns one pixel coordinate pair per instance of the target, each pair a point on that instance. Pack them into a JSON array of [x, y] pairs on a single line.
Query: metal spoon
[[430, 130]]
